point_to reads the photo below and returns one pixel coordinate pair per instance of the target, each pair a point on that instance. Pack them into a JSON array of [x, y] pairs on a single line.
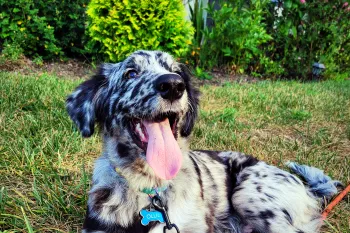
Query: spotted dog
[[146, 108]]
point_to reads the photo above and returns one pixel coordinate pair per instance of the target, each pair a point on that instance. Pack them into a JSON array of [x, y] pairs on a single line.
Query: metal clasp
[[158, 204]]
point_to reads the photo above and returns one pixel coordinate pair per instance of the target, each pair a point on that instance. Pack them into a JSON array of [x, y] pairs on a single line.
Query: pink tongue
[[163, 153]]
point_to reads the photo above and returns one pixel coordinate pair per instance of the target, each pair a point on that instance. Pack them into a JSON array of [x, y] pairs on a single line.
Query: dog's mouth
[[157, 136], [139, 132]]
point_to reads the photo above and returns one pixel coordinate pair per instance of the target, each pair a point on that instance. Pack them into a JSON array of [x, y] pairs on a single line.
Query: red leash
[[335, 202]]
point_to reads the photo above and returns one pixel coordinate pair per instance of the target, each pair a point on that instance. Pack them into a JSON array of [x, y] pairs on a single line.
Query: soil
[[71, 69], [74, 69], [221, 78]]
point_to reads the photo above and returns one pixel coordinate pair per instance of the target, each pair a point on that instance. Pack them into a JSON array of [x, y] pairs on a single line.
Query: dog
[[146, 108]]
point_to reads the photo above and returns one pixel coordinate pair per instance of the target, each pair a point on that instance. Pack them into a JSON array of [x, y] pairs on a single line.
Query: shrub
[[122, 27], [45, 28], [197, 20], [235, 38], [314, 31], [197, 12], [11, 52]]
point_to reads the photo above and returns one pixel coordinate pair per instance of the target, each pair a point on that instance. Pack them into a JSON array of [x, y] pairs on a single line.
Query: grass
[[45, 165]]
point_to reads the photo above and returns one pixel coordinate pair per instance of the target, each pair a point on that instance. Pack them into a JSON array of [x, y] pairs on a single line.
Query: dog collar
[[154, 191], [148, 191]]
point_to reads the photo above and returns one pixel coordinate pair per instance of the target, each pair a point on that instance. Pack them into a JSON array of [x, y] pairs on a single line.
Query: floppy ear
[[82, 104], [193, 101]]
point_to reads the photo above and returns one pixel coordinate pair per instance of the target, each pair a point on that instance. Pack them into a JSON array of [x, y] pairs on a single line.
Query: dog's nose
[[170, 86]]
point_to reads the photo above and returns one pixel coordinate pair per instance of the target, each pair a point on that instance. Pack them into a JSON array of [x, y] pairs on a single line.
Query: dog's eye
[[131, 74]]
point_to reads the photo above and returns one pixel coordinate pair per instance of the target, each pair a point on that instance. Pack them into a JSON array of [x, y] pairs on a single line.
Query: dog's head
[[144, 106]]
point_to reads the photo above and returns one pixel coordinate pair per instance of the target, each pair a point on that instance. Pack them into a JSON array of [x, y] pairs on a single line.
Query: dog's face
[[145, 104]]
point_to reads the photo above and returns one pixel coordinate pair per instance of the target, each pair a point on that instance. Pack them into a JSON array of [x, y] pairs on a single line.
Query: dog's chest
[[196, 201], [187, 211]]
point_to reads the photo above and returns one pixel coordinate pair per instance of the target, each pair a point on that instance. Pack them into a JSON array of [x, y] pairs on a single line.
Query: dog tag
[[151, 216]]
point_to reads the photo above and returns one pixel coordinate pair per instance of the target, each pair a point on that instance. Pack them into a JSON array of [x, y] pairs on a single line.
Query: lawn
[[45, 165]]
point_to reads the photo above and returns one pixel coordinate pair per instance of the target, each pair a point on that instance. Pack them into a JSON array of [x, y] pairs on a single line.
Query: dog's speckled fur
[[214, 192]]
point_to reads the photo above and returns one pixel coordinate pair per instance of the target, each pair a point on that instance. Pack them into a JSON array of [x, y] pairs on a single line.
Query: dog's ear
[[83, 104], [193, 102]]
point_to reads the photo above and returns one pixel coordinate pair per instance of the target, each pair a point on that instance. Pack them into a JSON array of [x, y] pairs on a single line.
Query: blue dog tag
[[151, 216]]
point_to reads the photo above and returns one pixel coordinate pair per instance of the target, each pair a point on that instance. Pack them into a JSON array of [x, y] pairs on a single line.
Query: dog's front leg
[[92, 225]]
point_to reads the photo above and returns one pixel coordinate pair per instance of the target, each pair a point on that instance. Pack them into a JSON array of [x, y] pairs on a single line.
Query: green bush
[[314, 31], [236, 36], [197, 12], [10, 52], [47, 28], [121, 27], [197, 20]]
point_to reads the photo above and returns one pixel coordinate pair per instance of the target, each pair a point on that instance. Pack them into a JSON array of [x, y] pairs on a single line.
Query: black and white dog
[[146, 108]]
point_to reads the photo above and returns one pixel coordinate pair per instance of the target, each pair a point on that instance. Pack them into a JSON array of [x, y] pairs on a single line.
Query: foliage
[[38, 60], [197, 13], [201, 74], [48, 28], [304, 33], [235, 39], [11, 52], [121, 27], [196, 16], [259, 37]]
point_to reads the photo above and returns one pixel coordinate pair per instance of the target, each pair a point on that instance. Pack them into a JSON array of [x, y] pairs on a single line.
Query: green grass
[[45, 165]]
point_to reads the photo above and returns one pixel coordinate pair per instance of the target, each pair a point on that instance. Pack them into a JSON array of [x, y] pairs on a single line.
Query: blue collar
[[149, 191]]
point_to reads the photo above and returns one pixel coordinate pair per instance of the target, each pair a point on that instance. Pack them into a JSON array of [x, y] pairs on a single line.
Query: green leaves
[[196, 16], [43, 28], [227, 51], [235, 39], [201, 74], [316, 31], [121, 28]]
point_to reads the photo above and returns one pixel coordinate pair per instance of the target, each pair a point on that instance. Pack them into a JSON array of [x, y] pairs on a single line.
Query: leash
[[335, 202], [157, 211], [158, 203]]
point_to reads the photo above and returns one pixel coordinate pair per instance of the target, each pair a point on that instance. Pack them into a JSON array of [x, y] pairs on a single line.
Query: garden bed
[[74, 69]]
